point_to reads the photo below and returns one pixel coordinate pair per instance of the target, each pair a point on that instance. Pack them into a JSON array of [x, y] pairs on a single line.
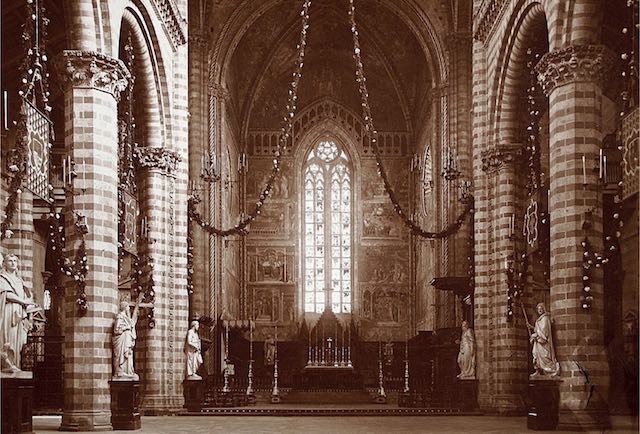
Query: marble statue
[[16, 306], [544, 356], [124, 340], [467, 353], [193, 350], [269, 351]]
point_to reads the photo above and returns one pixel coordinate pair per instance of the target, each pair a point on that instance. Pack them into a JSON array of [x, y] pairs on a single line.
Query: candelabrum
[[381, 393], [210, 168], [406, 376], [226, 388], [250, 379], [450, 165], [275, 393]]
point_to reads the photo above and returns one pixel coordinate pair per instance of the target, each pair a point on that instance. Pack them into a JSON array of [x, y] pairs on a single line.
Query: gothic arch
[[512, 62], [328, 128]]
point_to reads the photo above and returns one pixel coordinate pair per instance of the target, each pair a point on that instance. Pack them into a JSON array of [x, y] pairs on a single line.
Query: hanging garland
[[142, 275], [287, 125], [33, 68], [629, 57], [77, 268], [373, 136]]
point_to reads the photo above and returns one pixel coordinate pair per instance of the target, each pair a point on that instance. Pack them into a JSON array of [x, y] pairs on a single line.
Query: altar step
[[336, 397]]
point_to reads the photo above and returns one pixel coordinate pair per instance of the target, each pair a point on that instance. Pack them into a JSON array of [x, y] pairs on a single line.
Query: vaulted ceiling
[[398, 62]]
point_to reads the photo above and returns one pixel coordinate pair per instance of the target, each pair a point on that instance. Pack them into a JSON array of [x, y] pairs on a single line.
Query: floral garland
[[290, 111], [142, 274], [373, 135], [32, 68], [18, 166], [77, 268]]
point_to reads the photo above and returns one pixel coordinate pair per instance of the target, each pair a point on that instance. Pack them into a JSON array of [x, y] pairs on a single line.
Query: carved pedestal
[[125, 413], [193, 395], [17, 405], [467, 394], [544, 398]]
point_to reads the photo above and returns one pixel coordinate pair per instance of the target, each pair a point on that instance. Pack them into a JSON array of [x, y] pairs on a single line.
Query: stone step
[[337, 397]]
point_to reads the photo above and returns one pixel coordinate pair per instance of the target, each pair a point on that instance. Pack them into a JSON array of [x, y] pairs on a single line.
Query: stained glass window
[[327, 228]]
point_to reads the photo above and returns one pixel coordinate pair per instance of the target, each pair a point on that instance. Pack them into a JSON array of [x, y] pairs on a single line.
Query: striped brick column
[[571, 77], [198, 140], [21, 242], [93, 84], [505, 361], [161, 347]]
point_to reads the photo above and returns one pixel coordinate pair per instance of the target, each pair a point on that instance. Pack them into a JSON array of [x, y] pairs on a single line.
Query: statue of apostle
[[193, 351], [544, 355], [16, 321], [467, 353], [124, 340]]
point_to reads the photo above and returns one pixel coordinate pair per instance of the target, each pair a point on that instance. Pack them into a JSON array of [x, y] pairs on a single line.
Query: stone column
[[93, 85], [198, 140], [503, 385], [161, 347], [572, 77]]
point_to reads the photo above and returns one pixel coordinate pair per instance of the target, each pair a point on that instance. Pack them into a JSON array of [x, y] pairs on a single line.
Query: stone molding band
[[94, 69], [155, 157], [573, 63]]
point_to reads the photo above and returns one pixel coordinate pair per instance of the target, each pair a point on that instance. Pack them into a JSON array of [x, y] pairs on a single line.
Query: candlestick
[[604, 173], [584, 170], [601, 164], [64, 171], [5, 105]]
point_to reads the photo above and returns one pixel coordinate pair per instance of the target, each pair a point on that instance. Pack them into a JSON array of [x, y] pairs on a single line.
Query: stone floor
[[335, 425]]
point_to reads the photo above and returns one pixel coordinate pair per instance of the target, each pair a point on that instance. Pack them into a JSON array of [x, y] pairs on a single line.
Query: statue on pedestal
[[269, 351], [467, 353], [124, 340], [192, 349], [16, 308], [544, 356]]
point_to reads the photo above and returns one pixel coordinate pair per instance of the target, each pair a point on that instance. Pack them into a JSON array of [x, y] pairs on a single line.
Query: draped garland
[[241, 227], [373, 136], [32, 69], [285, 132]]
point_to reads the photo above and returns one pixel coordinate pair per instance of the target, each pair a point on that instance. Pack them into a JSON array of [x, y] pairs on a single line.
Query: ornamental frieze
[[495, 158], [573, 63], [93, 69], [155, 157], [487, 17]]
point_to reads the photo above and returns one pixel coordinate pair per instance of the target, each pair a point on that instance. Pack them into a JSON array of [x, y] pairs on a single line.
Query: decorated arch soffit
[[512, 54]]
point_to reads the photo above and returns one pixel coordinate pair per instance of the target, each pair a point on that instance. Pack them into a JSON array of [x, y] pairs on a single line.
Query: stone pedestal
[[466, 394], [17, 404], [193, 395], [125, 412], [544, 397]]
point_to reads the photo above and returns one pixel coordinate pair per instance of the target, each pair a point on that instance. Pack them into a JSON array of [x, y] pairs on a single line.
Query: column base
[[17, 404], [125, 398], [584, 420], [162, 405], [79, 420], [505, 404]]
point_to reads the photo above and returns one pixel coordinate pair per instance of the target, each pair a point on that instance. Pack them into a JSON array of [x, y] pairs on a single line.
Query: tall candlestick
[[601, 164], [584, 170], [64, 171], [5, 109], [605, 169]]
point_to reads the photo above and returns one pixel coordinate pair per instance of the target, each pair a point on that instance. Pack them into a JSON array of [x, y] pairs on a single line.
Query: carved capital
[[93, 69], [197, 42], [573, 63], [499, 156], [153, 157], [219, 91]]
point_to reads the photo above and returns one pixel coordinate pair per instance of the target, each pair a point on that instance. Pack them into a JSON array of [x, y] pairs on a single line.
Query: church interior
[[338, 207]]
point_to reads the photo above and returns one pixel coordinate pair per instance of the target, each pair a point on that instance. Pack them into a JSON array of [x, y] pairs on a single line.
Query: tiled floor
[[334, 425]]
